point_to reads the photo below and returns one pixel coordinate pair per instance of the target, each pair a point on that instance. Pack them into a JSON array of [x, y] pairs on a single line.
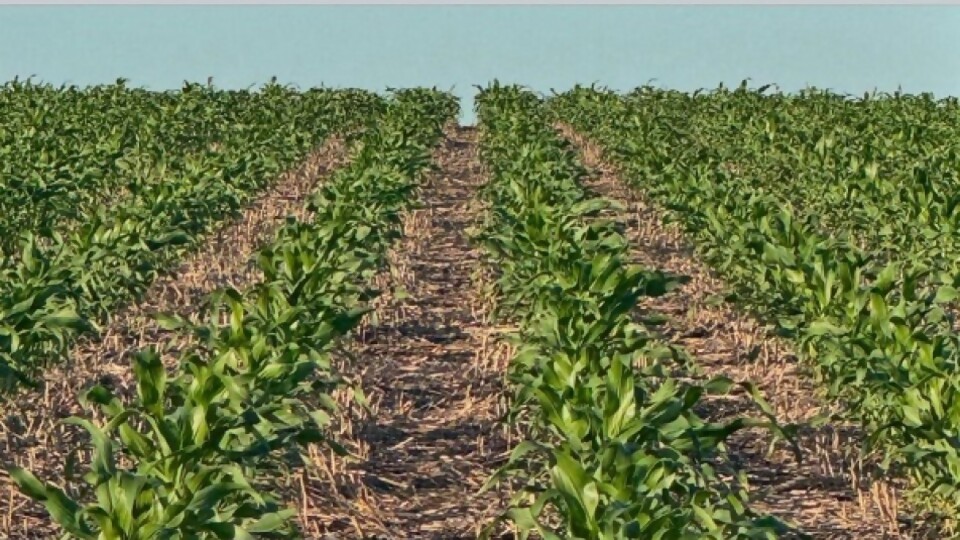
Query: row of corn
[[613, 446], [197, 452]]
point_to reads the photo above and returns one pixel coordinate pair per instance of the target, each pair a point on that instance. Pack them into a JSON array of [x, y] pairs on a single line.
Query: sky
[[845, 48]]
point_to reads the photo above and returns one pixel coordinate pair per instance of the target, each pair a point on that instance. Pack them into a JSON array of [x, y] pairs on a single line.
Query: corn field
[[336, 313]]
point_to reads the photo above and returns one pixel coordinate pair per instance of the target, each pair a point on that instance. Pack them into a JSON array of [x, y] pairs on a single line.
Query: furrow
[[432, 374]]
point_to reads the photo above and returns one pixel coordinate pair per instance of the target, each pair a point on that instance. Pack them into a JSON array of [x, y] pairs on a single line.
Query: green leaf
[[64, 511]]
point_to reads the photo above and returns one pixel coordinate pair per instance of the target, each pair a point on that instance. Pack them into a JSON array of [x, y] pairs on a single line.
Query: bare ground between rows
[[31, 432], [431, 370], [828, 494]]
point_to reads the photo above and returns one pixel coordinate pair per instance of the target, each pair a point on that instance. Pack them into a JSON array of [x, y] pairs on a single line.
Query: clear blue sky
[[847, 48]]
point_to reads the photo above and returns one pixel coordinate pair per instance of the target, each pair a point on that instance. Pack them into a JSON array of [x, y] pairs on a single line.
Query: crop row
[[189, 456], [65, 277], [614, 447], [863, 281]]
